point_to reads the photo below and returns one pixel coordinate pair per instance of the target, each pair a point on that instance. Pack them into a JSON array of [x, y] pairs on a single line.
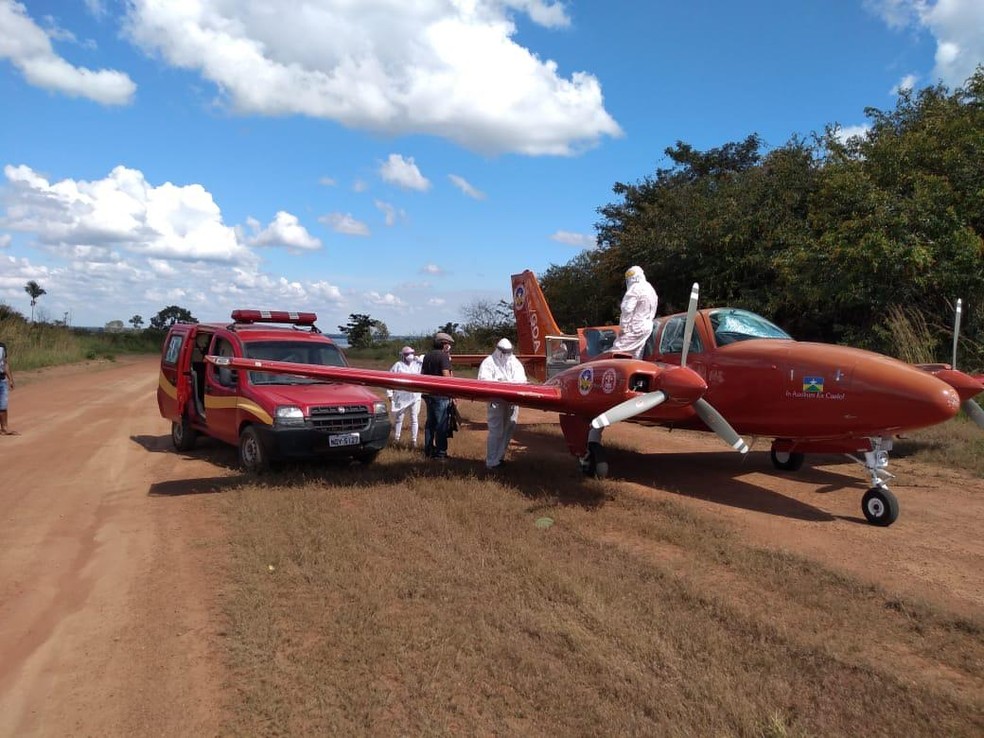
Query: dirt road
[[111, 547], [105, 620]]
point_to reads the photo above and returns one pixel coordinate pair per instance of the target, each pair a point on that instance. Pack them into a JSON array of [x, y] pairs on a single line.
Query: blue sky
[[387, 157]]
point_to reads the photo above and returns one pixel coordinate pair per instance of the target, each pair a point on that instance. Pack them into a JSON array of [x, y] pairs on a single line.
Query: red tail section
[[534, 321]]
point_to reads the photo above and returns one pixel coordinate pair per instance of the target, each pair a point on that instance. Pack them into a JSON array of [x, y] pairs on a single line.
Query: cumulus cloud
[[384, 300], [449, 69], [403, 173], [436, 301], [432, 269], [120, 245], [284, 230], [29, 49], [955, 24], [327, 182], [580, 240], [462, 184], [908, 82], [345, 223], [845, 133]]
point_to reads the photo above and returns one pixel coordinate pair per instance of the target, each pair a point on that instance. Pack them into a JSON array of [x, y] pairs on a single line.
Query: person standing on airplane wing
[[501, 366], [638, 313]]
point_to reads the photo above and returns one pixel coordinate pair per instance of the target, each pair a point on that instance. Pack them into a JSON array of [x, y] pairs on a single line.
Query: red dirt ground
[[109, 557]]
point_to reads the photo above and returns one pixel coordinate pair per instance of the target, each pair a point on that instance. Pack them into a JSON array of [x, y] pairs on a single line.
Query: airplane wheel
[[787, 460], [183, 436], [597, 464], [880, 506], [253, 455]]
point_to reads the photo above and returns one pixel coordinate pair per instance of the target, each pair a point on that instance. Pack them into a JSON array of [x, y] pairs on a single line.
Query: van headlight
[[289, 416], [380, 408]]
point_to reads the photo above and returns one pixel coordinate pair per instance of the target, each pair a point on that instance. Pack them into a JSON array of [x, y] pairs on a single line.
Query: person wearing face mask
[[402, 402], [638, 313], [501, 366]]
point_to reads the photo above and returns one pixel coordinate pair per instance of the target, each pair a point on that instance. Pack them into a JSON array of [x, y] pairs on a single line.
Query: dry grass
[[417, 599], [958, 444]]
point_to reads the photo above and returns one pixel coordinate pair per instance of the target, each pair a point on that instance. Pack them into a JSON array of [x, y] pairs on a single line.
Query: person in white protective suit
[[405, 403], [638, 313], [501, 366]]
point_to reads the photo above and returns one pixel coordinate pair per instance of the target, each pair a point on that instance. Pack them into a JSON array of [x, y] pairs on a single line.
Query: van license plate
[[346, 439]]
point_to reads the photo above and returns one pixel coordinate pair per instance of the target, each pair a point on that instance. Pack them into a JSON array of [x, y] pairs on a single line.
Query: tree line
[[835, 240]]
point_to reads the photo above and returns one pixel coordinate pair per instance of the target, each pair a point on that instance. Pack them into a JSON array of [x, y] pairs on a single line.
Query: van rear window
[[298, 352], [173, 349]]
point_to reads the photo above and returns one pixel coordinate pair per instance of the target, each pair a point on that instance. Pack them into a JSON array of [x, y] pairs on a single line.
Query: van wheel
[[253, 455], [183, 436]]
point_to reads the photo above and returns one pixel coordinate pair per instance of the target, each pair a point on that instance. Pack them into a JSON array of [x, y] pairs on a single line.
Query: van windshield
[[298, 352]]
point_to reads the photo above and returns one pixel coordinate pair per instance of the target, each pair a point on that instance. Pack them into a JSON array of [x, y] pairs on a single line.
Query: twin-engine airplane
[[726, 370]]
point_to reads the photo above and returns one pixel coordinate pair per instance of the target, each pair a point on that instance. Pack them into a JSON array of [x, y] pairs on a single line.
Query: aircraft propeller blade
[[688, 331], [974, 412], [956, 332], [716, 422], [628, 409]]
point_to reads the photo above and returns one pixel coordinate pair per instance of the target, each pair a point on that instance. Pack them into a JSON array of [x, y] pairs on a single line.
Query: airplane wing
[[541, 397]]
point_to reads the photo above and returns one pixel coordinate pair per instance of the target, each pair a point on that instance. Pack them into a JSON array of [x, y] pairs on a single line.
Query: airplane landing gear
[[879, 505], [787, 460], [595, 462]]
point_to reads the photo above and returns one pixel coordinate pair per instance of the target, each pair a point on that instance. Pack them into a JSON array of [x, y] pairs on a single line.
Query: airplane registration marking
[[585, 380], [608, 381]]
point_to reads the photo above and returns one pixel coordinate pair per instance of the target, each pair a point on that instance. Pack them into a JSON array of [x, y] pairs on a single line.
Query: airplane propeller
[[969, 406], [705, 411]]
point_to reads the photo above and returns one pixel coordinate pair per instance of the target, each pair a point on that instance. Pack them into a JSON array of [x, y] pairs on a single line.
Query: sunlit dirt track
[[110, 560]]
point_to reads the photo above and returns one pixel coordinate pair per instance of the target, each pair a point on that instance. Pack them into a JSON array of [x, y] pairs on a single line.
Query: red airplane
[[725, 370]]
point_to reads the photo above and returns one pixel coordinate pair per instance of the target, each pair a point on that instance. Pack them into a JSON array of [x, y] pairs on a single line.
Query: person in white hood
[[405, 404], [638, 313], [501, 366]]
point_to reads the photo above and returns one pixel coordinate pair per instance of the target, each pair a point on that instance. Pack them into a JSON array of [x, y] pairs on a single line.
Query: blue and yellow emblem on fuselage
[[813, 385]]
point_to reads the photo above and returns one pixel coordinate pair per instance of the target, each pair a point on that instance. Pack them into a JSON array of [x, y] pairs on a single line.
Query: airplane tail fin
[[534, 321]]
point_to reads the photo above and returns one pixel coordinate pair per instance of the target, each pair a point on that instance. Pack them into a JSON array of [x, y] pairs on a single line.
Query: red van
[[268, 416]]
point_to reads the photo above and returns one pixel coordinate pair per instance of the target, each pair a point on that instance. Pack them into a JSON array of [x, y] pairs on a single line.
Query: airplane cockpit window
[[671, 341], [732, 325]]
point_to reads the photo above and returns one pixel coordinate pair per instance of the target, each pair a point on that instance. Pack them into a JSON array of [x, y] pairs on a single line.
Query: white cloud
[[432, 269], [462, 184], [844, 133], [390, 212], [955, 24], [345, 223], [28, 47], [403, 173], [284, 230], [386, 300], [327, 182], [907, 83], [5, 240], [449, 69], [360, 185], [436, 301], [581, 240]]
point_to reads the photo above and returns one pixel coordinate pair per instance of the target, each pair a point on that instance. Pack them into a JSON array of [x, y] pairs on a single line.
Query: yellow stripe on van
[[166, 387], [226, 403]]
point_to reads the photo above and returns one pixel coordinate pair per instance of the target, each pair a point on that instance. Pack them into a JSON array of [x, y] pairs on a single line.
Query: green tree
[[35, 291], [136, 321], [363, 331], [170, 315], [487, 321]]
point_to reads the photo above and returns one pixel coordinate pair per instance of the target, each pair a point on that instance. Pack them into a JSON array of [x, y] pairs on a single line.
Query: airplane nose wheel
[[880, 506], [595, 462]]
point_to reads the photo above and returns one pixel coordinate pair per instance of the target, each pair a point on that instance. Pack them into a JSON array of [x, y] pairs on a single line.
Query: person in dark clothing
[[437, 363]]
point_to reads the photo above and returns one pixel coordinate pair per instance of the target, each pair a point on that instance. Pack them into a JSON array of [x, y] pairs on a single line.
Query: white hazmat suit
[[638, 313], [405, 403], [501, 366]]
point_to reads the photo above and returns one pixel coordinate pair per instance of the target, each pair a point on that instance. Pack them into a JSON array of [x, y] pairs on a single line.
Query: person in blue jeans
[[6, 384], [437, 363]]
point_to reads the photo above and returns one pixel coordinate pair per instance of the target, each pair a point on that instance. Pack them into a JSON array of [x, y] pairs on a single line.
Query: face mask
[[408, 358]]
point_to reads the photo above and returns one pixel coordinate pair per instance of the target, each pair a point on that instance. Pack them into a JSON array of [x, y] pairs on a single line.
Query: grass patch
[[958, 444], [409, 599]]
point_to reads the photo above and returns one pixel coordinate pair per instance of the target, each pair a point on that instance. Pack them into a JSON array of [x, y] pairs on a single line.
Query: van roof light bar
[[273, 316]]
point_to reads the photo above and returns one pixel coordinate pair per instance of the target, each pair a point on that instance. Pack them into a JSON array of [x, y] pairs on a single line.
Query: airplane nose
[[682, 384], [903, 397]]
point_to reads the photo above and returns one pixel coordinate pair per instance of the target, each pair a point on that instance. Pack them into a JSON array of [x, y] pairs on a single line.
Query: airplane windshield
[[732, 325], [299, 352]]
